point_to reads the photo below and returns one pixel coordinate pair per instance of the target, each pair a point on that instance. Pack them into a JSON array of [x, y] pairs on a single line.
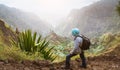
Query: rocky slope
[[93, 20], [6, 33], [57, 39]]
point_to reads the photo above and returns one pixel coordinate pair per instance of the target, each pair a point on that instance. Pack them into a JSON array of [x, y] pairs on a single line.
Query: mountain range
[[16, 18], [93, 20]]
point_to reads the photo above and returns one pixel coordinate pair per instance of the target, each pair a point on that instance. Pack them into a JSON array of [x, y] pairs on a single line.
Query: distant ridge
[[93, 20], [23, 20]]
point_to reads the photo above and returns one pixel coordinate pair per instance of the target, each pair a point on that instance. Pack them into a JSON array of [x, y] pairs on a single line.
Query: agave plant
[[32, 43], [26, 41]]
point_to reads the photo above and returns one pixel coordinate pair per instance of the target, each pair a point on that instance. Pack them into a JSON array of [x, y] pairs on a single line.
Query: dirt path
[[96, 63]]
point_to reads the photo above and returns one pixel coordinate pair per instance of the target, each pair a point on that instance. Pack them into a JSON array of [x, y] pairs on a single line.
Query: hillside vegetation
[[6, 33], [24, 45], [107, 61]]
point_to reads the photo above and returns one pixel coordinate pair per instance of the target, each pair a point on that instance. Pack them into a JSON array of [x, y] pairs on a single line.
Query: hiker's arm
[[76, 45]]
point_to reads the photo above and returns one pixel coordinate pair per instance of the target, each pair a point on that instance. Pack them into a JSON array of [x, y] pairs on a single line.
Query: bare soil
[[97, 63]]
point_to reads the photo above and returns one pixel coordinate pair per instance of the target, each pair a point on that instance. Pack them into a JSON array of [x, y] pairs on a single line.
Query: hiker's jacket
[[77, 43]]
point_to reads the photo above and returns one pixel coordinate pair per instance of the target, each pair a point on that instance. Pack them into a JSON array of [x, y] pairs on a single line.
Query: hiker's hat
[[75, 31]]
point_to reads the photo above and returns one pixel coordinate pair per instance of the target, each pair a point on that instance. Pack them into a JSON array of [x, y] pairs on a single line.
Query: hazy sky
[[49, 10]]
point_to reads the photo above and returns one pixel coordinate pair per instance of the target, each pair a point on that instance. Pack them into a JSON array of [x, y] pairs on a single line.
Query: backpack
[[86, 43]]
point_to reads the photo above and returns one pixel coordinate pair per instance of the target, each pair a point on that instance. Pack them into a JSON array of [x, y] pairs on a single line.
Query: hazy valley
[[29, 43]]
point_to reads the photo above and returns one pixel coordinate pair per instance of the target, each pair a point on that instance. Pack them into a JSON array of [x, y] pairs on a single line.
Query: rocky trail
[[105, 62]]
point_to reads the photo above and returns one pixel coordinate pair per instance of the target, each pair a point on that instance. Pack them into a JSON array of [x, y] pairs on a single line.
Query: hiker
[[77, 50]]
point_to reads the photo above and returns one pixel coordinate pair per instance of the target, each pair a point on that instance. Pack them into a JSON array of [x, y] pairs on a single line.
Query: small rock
[[45, 69], [26, 68], [1, 63]]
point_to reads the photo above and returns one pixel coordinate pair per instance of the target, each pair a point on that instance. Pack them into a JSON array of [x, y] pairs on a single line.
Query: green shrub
[[106, 38], [16, 54], [31, 44]]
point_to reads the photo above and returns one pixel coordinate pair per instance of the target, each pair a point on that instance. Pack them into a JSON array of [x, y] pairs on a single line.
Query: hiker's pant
[[68, 57]]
